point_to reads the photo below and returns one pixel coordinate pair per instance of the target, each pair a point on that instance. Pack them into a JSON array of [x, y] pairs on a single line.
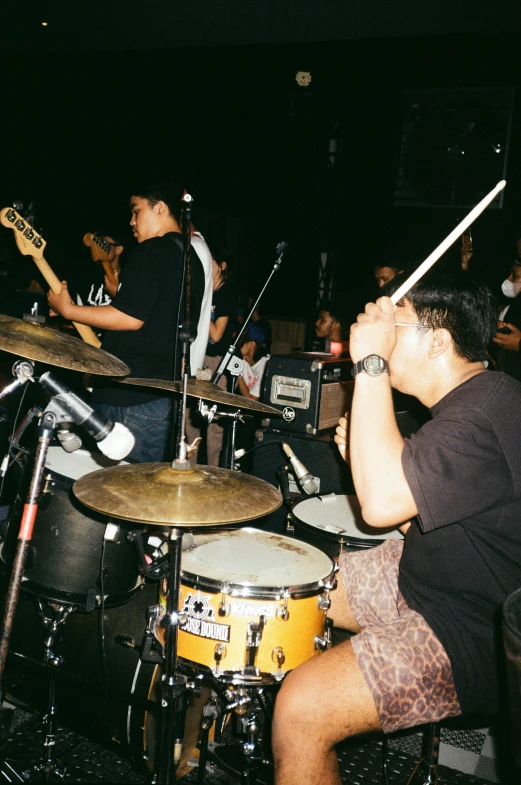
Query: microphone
[[306, 480], [114, 439], [69, 440]]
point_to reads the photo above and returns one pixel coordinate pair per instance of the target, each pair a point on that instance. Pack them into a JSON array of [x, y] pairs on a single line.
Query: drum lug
[[253, 640], [324, 643], [278, 656], [321, 644], [324, 603], [224, 607], [282, 612], [219, 653]]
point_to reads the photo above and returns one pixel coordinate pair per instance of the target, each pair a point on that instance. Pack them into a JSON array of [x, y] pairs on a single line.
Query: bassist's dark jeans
[[150, 423]]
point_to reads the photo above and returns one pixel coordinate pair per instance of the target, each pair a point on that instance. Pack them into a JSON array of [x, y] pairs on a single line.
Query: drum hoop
[[360, 542], [254, 592], [60, 481]]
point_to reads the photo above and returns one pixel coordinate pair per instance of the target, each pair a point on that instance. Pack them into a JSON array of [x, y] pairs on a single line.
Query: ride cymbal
[[156, 493], [198, 388], [45, 345]]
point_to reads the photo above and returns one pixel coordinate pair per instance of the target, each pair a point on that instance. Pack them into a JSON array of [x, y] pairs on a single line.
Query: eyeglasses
[[410, 324]]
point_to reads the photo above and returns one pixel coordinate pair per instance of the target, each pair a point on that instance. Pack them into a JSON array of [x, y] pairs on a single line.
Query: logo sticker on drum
[[243, 608], [288, 414], [201, 616]]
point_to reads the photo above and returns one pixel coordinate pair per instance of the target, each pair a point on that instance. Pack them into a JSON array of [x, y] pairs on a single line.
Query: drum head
[[252, 558], [78, 463], [341, 516]]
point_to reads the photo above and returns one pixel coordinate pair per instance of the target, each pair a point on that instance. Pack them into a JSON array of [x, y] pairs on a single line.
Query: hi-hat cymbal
[[198, 388], [156, 493], [45, 345]]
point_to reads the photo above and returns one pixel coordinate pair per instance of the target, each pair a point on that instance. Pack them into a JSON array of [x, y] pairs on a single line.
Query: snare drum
[[255, 604], [64, 556], [335, 524]]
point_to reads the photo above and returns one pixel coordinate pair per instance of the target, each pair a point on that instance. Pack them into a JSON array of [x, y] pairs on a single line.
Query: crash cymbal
[[45, 345], [158, 494], [210, 392]]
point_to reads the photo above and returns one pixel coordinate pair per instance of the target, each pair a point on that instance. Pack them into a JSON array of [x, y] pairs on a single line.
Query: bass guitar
[[32, 244]]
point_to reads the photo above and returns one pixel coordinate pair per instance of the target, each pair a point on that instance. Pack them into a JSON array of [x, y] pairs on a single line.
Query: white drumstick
[[446, 243]]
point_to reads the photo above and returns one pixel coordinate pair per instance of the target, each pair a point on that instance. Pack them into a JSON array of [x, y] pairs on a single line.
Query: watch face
[[374, 365]]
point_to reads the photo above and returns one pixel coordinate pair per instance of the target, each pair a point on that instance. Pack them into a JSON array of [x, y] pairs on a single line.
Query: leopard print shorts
[[403, 662]]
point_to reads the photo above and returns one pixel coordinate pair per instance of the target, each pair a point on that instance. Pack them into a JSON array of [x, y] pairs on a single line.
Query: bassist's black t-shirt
[[462, 559], [149, 291]]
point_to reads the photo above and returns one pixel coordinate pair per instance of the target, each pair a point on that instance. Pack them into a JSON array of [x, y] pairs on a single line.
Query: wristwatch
[[373, 364]]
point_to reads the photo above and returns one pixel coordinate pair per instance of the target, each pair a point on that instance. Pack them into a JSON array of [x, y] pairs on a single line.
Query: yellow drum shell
[[230, 581], [295, 636]]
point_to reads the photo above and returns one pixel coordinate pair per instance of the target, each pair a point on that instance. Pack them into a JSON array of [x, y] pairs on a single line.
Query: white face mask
[[510, 289]]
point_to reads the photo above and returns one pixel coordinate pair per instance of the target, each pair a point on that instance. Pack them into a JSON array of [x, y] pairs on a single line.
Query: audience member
[[508, 336], [385, 272]]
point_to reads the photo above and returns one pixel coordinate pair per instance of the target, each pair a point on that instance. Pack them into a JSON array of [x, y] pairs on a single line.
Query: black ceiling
[[167, 24]]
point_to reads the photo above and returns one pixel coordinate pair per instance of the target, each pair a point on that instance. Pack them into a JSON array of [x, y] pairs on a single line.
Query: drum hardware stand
[[241, 701], [54, 414], [23, 370], [210, 413], [51, 624], [173, 684]]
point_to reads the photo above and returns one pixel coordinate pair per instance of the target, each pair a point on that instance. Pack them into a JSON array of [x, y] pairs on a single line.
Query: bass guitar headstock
[[28, 240], [100, 248]]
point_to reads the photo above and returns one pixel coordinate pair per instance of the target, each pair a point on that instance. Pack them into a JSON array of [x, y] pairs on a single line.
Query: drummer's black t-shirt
[[150, 291], [463, 558]]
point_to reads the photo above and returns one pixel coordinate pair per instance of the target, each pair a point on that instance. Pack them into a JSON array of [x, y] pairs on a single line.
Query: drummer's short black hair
[[454, 301]]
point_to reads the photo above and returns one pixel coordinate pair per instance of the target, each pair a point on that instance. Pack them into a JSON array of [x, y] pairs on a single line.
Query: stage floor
[[85, 761]]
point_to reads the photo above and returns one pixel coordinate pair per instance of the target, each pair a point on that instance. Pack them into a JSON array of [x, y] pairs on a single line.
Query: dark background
[[81, 126]]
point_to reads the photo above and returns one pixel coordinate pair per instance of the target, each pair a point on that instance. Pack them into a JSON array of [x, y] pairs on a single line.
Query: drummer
[[424, 611], [140, 323]]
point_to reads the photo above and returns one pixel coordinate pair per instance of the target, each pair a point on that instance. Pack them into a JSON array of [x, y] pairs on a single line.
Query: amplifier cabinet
[[312, 390]]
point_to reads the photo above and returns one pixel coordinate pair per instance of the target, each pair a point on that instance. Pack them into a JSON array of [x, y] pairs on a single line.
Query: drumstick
[[446, 243]]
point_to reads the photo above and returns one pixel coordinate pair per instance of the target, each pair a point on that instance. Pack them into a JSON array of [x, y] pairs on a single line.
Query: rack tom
[[335, 524]]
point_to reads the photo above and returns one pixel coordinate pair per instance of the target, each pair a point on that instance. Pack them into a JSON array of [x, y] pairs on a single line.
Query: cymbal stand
[[51, 623], [209, 413], [46, 429], [173, 685], [49, 419]]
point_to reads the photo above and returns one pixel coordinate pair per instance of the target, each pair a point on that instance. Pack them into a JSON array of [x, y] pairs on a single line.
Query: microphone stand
[[173, 684], [281, 247], [229, 363]]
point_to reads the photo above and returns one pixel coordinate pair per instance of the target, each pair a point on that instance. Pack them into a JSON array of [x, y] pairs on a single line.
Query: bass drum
[[69, 540], [121, 711], [334, 524]]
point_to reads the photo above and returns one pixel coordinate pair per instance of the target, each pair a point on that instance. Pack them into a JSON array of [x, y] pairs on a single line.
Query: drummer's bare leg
[[340, 611], [320, 703]]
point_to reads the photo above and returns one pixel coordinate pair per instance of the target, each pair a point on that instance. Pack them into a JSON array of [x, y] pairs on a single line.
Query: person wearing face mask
[[508, 337]]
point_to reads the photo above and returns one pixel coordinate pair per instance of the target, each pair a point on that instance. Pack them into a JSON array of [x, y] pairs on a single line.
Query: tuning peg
[[30, 215]]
